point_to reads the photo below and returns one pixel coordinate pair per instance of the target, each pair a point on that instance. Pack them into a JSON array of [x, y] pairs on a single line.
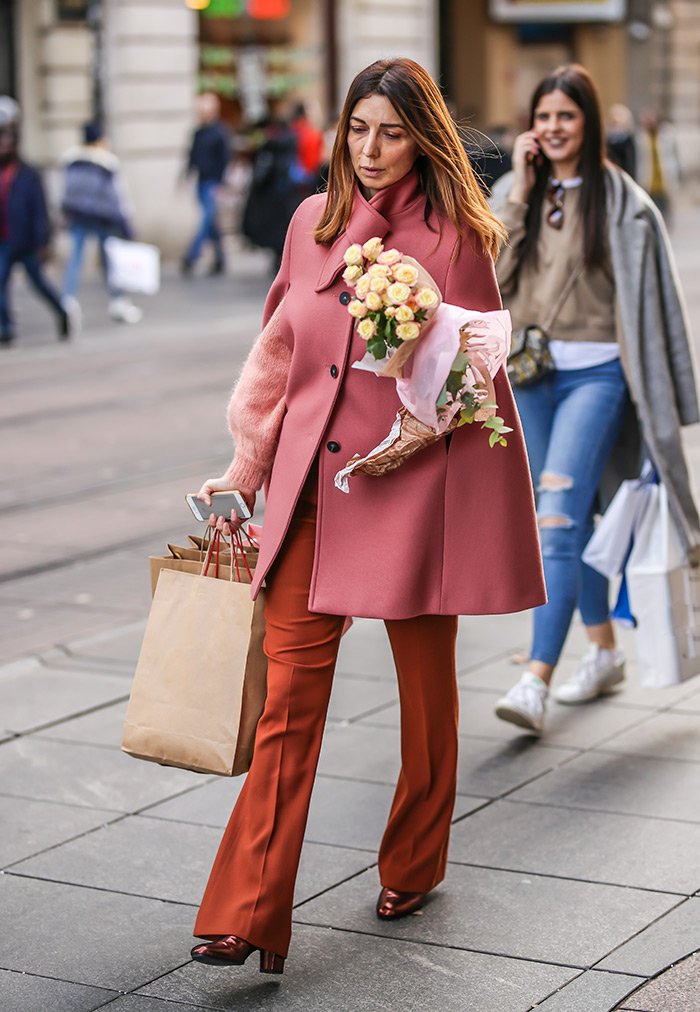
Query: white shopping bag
[[664, 596], [609, 546], [132, 266]]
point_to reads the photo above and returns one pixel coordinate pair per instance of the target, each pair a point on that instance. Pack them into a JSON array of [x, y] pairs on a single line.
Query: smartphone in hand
[[221, 505]]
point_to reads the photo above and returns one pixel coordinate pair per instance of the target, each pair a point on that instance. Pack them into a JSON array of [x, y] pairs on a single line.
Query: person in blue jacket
[[210, 151], [24, 225]]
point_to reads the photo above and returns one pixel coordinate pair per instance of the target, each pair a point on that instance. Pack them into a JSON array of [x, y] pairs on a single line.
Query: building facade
[[140, 63]]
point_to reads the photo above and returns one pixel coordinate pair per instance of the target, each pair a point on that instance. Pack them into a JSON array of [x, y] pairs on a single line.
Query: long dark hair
[[578, 85], [447, 177]]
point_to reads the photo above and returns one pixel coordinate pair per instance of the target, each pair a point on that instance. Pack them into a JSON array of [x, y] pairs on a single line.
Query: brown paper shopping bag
[[201, 677]]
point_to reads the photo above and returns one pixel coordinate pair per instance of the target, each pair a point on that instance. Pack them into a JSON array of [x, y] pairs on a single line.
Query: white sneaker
[[524, 704], [598, 672], [124, 310]]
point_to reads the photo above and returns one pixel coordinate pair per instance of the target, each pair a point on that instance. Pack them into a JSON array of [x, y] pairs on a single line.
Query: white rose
[[404, 314], [407, 331], [357, 309], [398, 293], [372, 248], [379, 271], [352, 273], [405, 273], [426, 298], [367, 329], [378, 285], [373, 301], [362, 286], [389, 257], [353, 254]]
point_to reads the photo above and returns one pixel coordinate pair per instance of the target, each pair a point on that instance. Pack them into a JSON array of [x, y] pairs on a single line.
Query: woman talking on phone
[[588, 254], [450, 532]]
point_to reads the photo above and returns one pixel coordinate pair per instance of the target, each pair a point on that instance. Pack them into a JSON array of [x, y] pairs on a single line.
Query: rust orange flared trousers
[[251, 887]]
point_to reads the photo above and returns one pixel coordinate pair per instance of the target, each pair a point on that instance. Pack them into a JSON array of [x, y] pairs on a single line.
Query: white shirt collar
[[567, 184]]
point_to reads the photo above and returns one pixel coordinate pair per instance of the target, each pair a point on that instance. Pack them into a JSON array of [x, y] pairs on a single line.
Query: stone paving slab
[[33, 695], [486, 768], [347, 972], [669, 939], [343, 813], [29, 827], [30, 629], [592, 846], [633, 785], [593, 991], [571, 727], [505, 913], [141, 1003], [86, 775], [86, 936], [171, 861], [670, 735], [116, 645], [352, 698], [676, 990], [23, 992], [102, 727], [108, 581]]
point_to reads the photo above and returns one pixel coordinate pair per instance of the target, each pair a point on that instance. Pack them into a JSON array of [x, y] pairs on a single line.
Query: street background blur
[[575, 860]]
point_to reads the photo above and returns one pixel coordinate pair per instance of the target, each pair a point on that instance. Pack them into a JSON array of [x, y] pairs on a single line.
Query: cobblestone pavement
[[574, 874]]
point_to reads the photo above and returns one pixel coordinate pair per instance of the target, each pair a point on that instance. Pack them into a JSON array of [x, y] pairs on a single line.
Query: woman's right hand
[[525, 150], [224, 484]]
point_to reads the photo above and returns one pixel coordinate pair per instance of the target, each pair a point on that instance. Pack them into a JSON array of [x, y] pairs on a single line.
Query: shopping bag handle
[[237, 550]]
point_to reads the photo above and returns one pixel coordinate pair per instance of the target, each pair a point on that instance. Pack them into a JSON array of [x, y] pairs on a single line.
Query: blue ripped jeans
[[571, 420]]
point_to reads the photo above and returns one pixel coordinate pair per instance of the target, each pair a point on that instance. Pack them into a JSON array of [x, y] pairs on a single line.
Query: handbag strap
[[565, 293]]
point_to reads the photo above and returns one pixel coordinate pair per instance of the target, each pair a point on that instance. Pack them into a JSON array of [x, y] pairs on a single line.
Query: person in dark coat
[[620, 144], [208, 159], [273, 196], [24, 225]]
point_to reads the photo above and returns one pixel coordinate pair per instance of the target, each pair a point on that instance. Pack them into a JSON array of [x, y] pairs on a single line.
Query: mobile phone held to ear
[[221, 504]]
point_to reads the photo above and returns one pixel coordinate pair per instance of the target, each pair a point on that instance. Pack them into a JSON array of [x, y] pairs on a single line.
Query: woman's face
[[559, 124], [381, 149]]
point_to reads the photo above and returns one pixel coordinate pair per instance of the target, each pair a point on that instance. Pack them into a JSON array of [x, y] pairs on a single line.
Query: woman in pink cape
[[450, 532]]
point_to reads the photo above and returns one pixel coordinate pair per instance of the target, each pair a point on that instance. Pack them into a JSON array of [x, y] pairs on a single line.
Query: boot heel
[[270, 962]]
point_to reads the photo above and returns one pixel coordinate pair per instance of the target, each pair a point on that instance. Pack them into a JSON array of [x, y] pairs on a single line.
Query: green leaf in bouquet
[[460, 362], [420, 315], [377, 347], [388, 328], [442, 398], [454, 383]]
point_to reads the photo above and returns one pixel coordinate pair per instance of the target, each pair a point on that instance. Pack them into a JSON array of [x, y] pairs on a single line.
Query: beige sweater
[[588, 314]]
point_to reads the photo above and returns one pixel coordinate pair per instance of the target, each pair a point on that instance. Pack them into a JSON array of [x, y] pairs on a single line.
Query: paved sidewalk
[[574, 874]]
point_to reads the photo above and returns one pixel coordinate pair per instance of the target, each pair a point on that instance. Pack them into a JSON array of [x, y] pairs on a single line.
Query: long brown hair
[[447, 177], [575, 82]]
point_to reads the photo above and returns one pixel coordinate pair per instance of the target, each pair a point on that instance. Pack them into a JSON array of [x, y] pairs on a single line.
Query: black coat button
[[344, 297], [334, 371], [333, 447]]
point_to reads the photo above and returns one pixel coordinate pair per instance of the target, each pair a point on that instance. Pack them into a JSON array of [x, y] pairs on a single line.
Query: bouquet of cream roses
[[394, 299], [454, 354]]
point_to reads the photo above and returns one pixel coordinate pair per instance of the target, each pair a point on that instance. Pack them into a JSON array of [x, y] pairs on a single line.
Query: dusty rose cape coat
[[452, 531]]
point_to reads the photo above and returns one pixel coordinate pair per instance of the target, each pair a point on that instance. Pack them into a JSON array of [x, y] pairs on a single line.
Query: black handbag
[[530, 358]]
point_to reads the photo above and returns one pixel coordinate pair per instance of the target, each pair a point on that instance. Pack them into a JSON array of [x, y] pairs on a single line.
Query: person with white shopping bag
[[95, 207], [589, 255]]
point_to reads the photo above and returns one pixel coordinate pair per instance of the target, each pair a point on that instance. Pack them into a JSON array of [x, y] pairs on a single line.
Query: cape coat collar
[[370, 218]]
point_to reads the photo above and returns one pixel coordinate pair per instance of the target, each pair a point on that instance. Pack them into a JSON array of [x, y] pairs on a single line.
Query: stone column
[[150, 73]]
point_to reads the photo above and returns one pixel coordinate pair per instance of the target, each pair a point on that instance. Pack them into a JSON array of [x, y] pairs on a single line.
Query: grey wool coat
[[655, 351]]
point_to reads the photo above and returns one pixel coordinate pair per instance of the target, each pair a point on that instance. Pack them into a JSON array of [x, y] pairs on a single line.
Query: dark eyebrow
[[395, 126]]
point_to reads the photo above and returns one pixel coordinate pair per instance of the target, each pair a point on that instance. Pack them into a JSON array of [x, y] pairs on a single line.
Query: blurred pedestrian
[[588, 244], [397, 548], [208, 160], [310, 147], [24, 225], [273, 196], [620, 140], [659, 164], [95, 207]]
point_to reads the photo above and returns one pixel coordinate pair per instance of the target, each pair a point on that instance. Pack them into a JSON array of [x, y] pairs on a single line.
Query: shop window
[[72, 10]]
